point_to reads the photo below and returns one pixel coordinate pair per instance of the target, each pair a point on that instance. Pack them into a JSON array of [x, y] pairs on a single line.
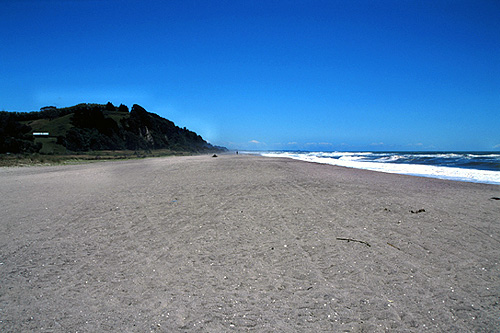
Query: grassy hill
[[95, 127]]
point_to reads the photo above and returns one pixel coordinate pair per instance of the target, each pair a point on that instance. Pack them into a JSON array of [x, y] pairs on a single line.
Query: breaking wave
[[476, 167]]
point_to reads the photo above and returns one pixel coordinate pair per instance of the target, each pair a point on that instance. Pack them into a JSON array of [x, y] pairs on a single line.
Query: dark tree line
[[14, 136], [92, 128]]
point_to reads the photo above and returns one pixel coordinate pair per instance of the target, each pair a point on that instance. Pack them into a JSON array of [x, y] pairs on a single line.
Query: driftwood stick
[[394, 246], [353, 240]]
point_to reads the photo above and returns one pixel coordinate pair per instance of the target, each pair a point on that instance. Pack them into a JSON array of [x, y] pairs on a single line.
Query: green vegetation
[[93, 130], [77, 158]]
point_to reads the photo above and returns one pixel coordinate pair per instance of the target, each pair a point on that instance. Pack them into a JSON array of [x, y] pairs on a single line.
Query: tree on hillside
[[110, 107], [123, 108], [16, 137]]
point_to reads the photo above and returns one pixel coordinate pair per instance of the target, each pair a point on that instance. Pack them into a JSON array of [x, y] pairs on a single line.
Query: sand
[[245, 243]]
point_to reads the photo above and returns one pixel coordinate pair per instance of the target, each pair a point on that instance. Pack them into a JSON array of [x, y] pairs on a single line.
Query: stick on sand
[[353, 240]]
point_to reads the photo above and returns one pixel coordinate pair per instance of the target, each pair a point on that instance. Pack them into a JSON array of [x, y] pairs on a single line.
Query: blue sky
[[303, 74]]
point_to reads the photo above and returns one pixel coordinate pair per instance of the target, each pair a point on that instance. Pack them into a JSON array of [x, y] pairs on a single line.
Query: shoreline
[[241, 242], [447, 171]]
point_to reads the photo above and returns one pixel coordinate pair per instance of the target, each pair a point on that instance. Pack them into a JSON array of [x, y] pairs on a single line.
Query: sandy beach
[[245, 243]]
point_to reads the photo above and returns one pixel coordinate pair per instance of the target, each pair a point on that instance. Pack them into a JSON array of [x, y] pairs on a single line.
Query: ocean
[[479, 167]]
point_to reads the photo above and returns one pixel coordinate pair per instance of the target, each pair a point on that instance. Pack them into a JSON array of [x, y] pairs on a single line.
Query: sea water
[[479, 167]]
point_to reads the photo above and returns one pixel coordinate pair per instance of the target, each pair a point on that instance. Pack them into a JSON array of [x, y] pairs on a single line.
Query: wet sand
[[245, 243]]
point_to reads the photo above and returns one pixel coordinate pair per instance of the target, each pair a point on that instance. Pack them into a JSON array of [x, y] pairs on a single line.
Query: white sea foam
[[358, 161]]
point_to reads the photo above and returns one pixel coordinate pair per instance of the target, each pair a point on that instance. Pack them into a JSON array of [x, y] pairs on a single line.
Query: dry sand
[[240, 243]]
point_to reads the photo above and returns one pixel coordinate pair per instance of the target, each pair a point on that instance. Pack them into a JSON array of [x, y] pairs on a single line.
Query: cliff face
[[86, 127]]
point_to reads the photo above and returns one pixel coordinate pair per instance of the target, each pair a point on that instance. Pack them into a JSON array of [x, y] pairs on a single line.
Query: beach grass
[[40, 159]]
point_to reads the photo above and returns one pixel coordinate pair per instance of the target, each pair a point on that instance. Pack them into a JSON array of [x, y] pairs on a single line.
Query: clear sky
[[264, 74]]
